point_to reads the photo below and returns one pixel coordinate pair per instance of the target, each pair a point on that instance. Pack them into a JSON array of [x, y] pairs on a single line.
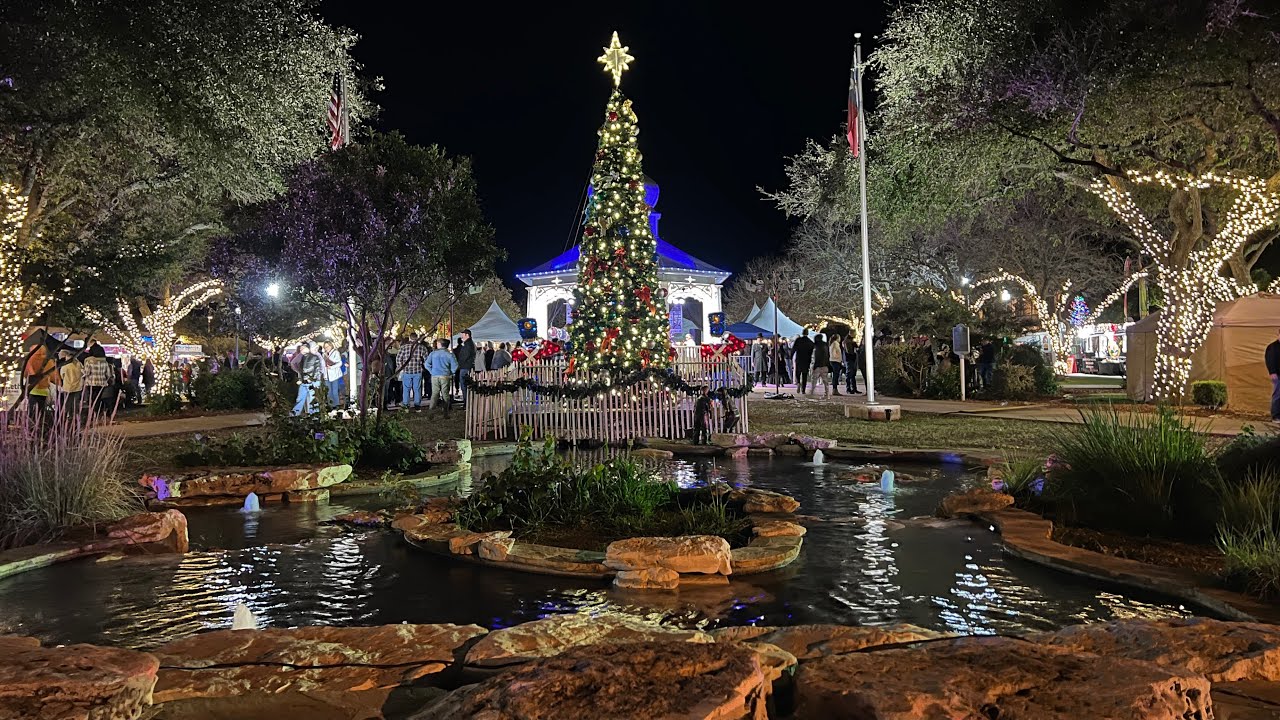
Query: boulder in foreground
[[996, 678], [633, 680], [554, 635], [74, 682], [688, 554]]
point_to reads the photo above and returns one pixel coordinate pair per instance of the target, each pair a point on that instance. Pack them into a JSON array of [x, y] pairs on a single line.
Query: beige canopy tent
[[1233, 352]]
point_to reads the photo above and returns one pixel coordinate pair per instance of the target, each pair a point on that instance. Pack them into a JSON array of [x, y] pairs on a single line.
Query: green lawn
[[915, 430], [1115, 381]]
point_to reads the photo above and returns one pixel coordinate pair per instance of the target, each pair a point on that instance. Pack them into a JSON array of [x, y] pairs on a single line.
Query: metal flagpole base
[[874, 411]]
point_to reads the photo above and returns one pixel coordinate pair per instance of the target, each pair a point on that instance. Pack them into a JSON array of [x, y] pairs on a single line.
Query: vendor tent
[[747, 331], [751, 316], [765, 319], [1233, 352], [494, 327]]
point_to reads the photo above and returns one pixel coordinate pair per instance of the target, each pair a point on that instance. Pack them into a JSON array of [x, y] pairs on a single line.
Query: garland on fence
[[578, 391]]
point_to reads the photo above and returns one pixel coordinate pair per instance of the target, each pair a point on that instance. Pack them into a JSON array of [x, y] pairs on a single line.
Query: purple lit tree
[[376, 233]]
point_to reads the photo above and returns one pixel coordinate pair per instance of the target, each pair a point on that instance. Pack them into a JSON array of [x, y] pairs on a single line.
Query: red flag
[[854, 128], [337, 114]]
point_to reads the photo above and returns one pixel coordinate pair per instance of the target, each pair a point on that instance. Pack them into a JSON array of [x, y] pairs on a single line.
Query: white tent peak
[[755, 310], [495, 326], [765, 319]]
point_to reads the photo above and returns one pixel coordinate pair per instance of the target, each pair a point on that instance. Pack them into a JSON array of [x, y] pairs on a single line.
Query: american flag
[[337, 113], [855, 89]]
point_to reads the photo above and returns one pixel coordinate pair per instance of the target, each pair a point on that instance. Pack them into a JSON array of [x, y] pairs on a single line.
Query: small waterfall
[[818, 457], [243, 619], [251, 503], [886, 481]]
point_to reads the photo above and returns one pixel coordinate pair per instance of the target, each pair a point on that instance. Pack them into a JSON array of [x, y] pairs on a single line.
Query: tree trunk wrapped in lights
[[1057, 314], [1187, 264], [159, 324], [620, 320], [20, 303]]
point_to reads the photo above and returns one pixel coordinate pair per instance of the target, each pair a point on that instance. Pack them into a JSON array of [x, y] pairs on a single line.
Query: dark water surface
[[864, 562]]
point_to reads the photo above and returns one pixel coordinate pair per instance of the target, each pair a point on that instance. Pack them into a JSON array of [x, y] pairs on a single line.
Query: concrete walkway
[[1045, 412], [187, 425]]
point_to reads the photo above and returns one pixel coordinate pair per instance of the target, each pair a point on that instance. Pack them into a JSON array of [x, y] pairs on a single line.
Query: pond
[[864, 562]]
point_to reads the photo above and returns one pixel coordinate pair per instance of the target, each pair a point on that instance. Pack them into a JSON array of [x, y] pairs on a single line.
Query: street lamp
[[237, 332], [1005, 296], [273, 290]]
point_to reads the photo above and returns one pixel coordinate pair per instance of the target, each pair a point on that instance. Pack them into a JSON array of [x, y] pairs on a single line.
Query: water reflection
[[865, 561]]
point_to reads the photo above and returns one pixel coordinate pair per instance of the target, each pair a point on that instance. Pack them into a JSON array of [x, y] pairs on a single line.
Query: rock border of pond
[[623, 666], [435, 476], [1028, 536], [776, 543], [143, 533], [738, 445]]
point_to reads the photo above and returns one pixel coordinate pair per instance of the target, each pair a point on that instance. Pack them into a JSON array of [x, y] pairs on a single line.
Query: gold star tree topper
[[615, 59]]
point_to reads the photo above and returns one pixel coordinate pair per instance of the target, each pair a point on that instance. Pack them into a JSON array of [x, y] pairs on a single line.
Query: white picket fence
[[644, 410]]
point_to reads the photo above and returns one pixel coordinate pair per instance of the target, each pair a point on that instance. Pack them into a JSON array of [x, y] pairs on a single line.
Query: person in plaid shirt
[[97, 376], [412, 356]]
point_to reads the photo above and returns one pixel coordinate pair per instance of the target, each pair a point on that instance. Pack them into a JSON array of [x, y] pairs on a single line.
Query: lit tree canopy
[[377, 230], [1170, 111], [130, 125], [620, 319]]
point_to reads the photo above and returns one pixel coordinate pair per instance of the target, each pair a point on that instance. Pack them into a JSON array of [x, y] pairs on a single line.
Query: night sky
[[723, 95]]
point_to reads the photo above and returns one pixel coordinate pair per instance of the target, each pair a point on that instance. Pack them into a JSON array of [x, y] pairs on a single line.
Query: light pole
[[237, 333]]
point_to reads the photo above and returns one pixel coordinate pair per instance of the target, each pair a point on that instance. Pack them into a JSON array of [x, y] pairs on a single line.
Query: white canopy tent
[[494, 327], [755, 310], [786, 327]]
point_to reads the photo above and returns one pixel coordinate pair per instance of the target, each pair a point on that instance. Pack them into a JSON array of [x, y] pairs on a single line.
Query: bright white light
[[1005, 296], [273, 289], [964, 281], [237, 309]]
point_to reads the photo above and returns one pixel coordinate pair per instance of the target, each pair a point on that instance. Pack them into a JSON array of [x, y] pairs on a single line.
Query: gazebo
[[687, 280]]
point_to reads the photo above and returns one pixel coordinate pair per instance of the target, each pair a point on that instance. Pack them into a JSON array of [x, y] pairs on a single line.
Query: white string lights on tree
[[1192, 281], [1059, 339], [159, 324], [20, 303]]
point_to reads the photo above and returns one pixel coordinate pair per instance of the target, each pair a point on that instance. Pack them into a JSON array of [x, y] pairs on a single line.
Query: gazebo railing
[[647, 409]]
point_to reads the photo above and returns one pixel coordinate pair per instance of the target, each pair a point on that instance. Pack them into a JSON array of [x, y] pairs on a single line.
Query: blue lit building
[[690, 282]]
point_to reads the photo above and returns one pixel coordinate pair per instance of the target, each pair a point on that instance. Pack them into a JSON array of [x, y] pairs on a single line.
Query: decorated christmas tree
[[1079, 311], [620, 314]]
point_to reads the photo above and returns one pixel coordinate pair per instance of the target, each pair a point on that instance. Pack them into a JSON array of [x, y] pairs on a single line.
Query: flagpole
[[353, 364], [868, 350]]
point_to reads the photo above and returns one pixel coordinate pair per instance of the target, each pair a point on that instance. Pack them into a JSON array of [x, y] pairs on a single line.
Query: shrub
[[386, 444], [66, 477], [1142, 472], [1252, 561], [239, 389], [1014, 382], [1249, 452], [1023, 477], [1251, 503], [1046, 382], [1023, 355], [287, 440], [944, 385], [903, 368], [1209, 393], [166, 404]]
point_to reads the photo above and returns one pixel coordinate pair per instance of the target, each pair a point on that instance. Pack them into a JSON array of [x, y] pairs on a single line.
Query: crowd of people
[[416, 372], [58, 378], [808, 362]]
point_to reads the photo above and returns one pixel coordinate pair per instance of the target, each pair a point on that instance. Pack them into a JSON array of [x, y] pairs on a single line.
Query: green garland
[[579, 391]]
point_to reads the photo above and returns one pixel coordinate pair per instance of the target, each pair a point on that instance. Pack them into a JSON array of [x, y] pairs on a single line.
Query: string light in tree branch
[[1194, 285], [159, 325], [20, 303]]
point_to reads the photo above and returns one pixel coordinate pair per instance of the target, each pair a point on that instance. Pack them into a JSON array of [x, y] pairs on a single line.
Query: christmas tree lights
[[20, 303], [159, 324], [1191, 280], [1079, 311], [620, 314]]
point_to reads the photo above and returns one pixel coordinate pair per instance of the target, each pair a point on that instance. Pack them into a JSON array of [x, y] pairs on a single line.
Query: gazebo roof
[[670, 259]]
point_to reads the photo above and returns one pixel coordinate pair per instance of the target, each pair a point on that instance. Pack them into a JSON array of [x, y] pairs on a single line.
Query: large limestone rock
[[1221, 651], [632, 680], [464, 543], [778, 528], [976, 500], [73, 682], [655, 578], [449, 452], [688, 554], [239, 482], [495, 549], [329, 659], [554, 635], [808, 642], [996, 678], [755, 500], [149, 532]]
